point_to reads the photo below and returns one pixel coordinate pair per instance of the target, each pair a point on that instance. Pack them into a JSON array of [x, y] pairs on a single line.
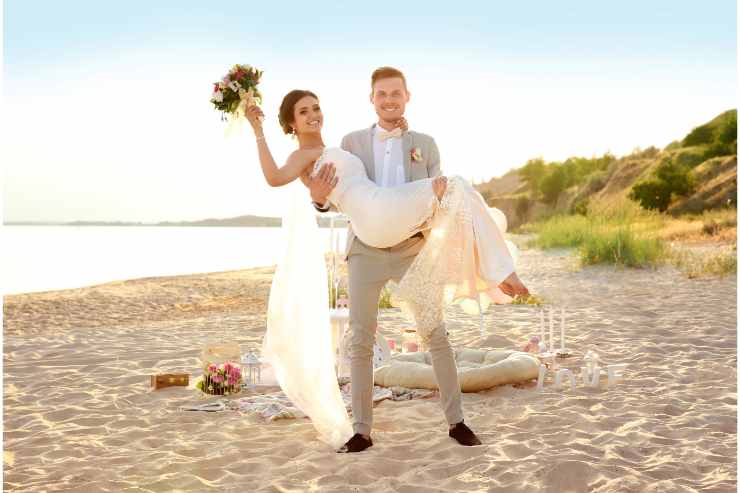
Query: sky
[[106, 113]]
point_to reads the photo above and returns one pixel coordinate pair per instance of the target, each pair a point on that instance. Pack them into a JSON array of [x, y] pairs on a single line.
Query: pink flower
[[217, 378], [227, 367], [232, 380], [215, 87], [212, 368], [416, 154]]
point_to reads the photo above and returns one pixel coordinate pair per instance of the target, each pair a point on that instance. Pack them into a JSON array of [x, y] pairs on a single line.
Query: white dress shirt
[[388, 155]]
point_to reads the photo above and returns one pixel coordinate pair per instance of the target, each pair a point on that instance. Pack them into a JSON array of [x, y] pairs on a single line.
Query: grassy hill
[[691, 175]]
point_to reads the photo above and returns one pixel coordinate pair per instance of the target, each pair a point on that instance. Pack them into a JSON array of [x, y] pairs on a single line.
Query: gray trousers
[[369, 270]]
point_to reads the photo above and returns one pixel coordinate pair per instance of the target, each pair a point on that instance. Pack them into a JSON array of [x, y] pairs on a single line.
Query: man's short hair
[[386, 73]]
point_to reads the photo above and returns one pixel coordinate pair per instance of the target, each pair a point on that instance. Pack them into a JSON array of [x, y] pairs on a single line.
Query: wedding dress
[[466, 256], [463, 260]]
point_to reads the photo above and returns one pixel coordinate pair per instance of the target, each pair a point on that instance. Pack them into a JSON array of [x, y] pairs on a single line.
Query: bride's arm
[[296, 163]]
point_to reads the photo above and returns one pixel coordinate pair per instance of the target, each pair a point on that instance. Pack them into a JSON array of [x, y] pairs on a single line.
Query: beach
[[79, 414]]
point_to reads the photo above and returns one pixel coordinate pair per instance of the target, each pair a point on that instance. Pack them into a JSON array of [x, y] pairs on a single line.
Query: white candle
[[542, 325], [562, 328], [551, 346]]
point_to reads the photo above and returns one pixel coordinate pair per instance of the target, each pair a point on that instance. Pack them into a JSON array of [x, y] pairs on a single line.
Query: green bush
[[677, 177], [651, 194], [719, 149], [676, 144], [602, 238], [691, 156], [523, 203], [533, 172], [580, 206], [562, 231], [671, 179], [552, 184], [621, 246], [703, 134], [728, 130]]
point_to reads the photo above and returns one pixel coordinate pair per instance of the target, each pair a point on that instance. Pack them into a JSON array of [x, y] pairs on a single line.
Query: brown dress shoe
[[464, 435], [357, 443]]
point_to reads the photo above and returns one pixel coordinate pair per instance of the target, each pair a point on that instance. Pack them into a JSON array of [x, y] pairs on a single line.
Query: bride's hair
[[286, 116]]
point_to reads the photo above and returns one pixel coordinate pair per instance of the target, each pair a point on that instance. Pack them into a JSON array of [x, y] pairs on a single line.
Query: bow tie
[[383, 135]]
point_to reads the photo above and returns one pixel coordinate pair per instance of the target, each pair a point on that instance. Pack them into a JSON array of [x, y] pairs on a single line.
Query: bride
[[466, 257]]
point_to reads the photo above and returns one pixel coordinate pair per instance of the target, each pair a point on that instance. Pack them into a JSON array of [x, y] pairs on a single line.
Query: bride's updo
[[287, 116]]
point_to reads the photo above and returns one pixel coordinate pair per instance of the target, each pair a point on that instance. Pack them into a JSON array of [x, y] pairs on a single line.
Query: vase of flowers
[[223, 379]]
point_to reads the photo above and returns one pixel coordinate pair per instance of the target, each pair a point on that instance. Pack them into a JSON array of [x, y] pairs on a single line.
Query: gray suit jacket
[[360, 143]]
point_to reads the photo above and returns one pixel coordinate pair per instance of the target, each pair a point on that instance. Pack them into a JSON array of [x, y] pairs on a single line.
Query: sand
[[79, 414]]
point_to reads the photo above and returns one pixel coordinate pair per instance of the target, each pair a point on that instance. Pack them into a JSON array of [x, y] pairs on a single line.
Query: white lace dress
[[465, 258]]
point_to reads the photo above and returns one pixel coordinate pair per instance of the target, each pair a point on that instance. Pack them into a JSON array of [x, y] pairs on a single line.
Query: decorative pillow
[[476, 369]]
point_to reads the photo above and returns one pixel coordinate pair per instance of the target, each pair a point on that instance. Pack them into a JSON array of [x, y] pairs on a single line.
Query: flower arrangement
[[416, 154], [237, 90], [223, 379]]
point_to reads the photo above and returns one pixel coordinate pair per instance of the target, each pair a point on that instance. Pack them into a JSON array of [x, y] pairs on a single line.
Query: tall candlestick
[[551, 346], [542, 325], [562, 328]]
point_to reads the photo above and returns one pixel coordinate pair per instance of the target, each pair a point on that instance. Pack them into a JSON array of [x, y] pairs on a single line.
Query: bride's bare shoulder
[[305, 156]]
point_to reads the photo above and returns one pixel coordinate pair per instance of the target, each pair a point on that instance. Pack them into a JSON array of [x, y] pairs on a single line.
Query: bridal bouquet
[[237, 91], [223, 379]]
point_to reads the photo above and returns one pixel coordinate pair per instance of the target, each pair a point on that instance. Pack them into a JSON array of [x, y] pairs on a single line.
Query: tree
[[651, 194], [728, 132], [703, 134], [552, 184], [533, 172], [676, 177]]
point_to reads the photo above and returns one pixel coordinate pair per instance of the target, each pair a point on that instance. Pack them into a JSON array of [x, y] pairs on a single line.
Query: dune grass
[[696, 265], [623, 236], [626, 235]]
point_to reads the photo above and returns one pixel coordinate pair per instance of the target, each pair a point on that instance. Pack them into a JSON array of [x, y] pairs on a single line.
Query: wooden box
[[170, 380]]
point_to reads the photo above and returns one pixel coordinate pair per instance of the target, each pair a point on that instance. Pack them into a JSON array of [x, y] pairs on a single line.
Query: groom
[[386, 150]]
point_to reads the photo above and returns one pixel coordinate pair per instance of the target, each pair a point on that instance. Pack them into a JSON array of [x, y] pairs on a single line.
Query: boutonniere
[[416, 154]]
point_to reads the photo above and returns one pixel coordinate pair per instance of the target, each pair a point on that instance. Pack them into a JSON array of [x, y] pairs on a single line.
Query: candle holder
[[563, 353]]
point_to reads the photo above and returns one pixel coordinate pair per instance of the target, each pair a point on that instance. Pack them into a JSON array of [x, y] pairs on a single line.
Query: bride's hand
[[255, 117], [402, 124]]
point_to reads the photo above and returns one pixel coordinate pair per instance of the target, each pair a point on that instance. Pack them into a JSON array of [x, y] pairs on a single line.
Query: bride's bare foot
[[513, 286], [439, 185]]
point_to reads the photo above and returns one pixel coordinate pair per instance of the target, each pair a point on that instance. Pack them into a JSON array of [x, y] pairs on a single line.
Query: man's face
[[389, 98]]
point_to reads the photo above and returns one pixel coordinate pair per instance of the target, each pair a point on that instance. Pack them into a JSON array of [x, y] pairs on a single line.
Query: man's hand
[[439, 185], [323, 183]]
